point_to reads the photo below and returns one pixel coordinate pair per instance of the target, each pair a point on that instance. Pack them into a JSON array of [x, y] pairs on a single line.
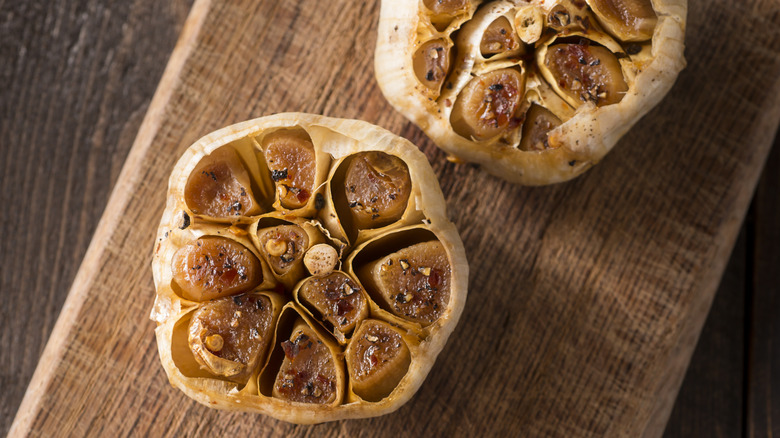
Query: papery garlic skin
[[588, 130]]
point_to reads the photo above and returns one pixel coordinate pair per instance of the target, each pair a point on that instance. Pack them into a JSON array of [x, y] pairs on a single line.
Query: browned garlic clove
[[337, 299], [377, 359], [432, 63], [539, 121], [377, 187], [499, 37], [291, 160], [443, 11], [307, 374], [627, 20], [584, 73], [220, 187], [488, 106], [213, 267], [412, 283], [230, 336], [283, 247]]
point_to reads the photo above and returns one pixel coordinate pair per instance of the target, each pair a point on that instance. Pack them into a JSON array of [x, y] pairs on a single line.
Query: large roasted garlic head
[[305, 269], [537, 91]]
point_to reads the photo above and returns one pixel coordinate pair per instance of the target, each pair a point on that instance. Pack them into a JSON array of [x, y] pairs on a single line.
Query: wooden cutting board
[[586, 298]]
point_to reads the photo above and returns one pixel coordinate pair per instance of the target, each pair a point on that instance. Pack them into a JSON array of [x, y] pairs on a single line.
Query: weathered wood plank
[[763, 407], [711, 400], [587, 297], [77, 77]]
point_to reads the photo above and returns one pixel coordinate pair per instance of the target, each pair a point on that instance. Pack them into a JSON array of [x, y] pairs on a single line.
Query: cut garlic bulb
[[574, 75], [260, 311]]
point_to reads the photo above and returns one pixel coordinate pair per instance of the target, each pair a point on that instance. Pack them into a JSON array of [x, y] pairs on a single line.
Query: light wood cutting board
[[586, 298]]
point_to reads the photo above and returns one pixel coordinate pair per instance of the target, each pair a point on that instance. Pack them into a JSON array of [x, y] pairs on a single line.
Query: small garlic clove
[[627, 20], [321, 259]]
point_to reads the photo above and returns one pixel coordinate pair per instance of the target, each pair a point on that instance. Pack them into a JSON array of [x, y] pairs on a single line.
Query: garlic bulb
[[537, 91], [305, 269]]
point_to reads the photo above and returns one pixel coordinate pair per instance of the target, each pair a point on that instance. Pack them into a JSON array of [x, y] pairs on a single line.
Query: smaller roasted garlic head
[[305, 269], [537, 91]]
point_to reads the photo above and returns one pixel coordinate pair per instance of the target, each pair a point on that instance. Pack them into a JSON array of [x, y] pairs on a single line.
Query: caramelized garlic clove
[[377, 187], [627, 20], [230, 336], [337, 299], [292, 162], [499, 37], [412, 283], [308, 373], [213, 267], [431, 64], [539, 121], [283, 247], [583, 73], [220, 187], [442, 12], [377, 359], [488, 104]]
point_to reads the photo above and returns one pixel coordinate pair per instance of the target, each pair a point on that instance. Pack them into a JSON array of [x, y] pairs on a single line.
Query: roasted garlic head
[[537, 91], [305, 269]]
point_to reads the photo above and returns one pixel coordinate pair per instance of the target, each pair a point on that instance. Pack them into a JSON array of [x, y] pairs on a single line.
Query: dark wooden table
[[76, 77]]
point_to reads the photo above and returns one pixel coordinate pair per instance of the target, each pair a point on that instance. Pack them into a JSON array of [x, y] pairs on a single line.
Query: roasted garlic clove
[[337, 300], [219, 282], [219, 187], [627, 20], [443, 11], [432, 64], [488, 106], [539, 121], [377, 187], [583, 73], [601, 101], [377, 360], [308, 373], [499, 37], [230, 336], [413, 283], [214, 267], [291, 159]]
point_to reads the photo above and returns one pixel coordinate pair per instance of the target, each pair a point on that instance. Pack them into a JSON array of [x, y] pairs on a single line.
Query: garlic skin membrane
[[325, 219], [587, 131]]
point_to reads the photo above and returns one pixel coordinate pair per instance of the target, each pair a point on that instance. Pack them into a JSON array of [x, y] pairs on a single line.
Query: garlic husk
[[579, 142]]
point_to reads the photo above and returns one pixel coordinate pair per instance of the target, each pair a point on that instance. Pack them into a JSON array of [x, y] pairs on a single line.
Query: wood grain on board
[[586, 298]]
